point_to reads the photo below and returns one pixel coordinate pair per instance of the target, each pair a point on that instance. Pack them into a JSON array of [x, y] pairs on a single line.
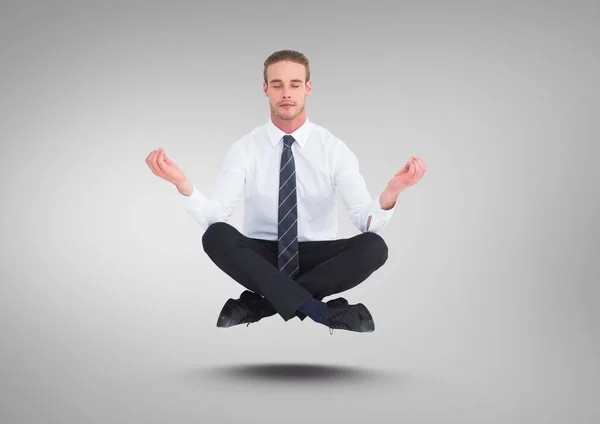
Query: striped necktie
[[287, 227]]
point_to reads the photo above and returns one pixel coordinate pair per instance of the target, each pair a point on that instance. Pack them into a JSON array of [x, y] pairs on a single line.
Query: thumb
[[403, 170]]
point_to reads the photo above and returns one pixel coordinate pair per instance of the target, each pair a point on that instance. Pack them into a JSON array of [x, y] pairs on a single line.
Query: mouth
[[286, 104]]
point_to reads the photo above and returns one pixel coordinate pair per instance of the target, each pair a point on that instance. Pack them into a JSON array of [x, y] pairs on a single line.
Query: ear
[[308, 87], [265, 89]]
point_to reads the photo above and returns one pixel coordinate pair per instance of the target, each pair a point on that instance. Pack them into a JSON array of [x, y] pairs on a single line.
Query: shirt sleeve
[[230, 181], [352, 188]]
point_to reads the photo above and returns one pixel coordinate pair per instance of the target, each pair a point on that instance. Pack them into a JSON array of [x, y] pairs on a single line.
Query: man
[[290, 170]]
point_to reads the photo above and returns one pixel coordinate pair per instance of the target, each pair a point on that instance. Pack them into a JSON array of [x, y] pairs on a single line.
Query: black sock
[[315, 309]]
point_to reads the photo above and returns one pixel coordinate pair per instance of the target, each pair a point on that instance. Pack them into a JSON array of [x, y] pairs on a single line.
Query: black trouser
[[326, 267]]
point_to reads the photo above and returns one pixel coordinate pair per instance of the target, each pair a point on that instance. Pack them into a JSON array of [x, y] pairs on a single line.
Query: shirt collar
[[300, 135]]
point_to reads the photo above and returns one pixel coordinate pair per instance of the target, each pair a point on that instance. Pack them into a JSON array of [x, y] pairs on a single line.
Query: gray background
[[486, 311]]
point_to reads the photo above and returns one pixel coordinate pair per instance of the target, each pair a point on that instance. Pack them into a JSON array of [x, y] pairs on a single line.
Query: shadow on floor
[[293, 372]]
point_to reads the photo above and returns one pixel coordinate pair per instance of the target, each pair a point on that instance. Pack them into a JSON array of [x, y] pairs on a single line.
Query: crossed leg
[[326, 267]]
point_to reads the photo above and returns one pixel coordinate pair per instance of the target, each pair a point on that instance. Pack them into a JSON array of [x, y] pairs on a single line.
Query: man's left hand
[[408, 176]]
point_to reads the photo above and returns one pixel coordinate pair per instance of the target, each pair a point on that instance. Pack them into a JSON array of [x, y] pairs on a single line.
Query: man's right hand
[[163, 167]]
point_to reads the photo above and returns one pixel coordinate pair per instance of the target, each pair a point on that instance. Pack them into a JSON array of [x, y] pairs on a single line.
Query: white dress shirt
[[325, 166]]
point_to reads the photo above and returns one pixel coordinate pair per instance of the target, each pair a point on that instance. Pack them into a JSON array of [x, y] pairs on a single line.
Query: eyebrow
[[294, 80]]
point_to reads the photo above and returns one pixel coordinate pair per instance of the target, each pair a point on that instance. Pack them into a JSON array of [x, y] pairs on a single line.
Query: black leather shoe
[[340, 315], [245, 310], [340, 301]]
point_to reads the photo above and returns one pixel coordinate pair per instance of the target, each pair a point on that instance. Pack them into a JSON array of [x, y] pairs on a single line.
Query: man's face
[[286, 88]]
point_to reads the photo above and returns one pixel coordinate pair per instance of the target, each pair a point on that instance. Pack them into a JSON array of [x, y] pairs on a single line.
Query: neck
[[289, 126]]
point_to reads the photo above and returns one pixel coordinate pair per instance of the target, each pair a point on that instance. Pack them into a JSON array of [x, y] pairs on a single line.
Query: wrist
[[185, 187], [387, 200]]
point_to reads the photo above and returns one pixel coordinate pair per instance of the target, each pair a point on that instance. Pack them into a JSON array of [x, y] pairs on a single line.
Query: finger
[[160, 159], [149, 157], [402, 171], [411, 168], [152, 163], [417, 165], [407, 166], [422, 170], [422, 166], [417, 173]]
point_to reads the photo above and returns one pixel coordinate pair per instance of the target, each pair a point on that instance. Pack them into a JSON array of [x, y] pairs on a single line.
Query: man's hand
[[163, 167], [408, 176]]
